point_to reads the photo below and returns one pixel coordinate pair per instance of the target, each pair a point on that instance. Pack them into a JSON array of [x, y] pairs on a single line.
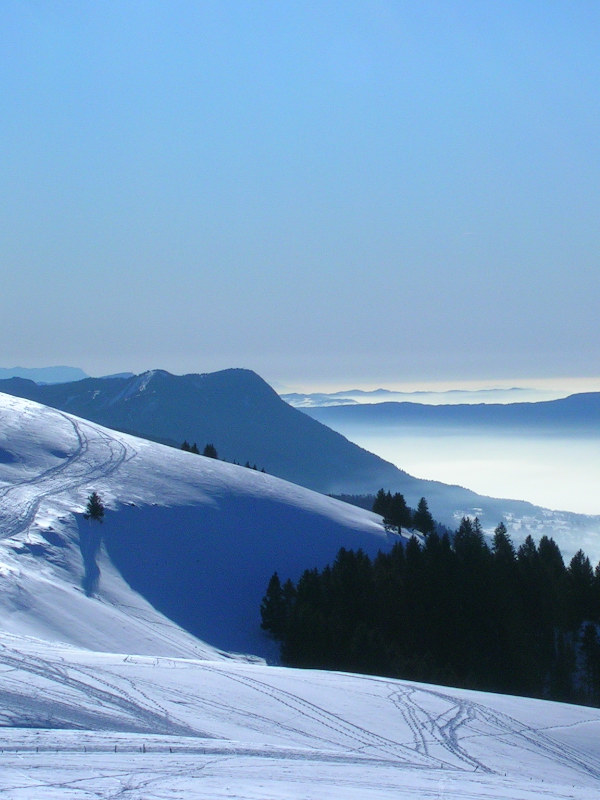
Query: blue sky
[[356, 193]]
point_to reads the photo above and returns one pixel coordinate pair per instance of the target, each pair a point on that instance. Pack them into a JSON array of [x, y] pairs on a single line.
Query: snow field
[[163, 726]]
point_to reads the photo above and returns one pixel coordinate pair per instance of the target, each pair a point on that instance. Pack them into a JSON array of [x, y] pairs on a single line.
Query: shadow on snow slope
[[207, 567]]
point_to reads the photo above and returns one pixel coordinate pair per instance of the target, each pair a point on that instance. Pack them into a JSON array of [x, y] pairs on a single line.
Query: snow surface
[[106, 697], [84, 724]]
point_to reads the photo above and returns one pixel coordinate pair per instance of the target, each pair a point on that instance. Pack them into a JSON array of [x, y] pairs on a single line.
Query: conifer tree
[[422, 519], [399, 513], [273, 608], [94, 508], [382, 501]]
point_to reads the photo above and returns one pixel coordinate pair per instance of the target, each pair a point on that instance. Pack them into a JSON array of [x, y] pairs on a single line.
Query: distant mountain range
[[43, 374], [247, 421], [450, 397], [576, 412]]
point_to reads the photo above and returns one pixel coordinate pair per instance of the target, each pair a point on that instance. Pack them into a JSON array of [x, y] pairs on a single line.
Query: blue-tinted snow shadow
[[207, 568], [7, 457], [90, 540]]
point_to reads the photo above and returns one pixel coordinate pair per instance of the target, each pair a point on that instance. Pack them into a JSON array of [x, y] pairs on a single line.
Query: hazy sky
[[348, 193]]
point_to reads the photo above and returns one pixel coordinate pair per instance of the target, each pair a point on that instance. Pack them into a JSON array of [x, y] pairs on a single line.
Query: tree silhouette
[[422, 519], [94, 508]]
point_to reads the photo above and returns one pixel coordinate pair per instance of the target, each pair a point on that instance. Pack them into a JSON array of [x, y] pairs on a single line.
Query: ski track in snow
[[445, 731], [156, 728], [105, 695], [355, 737], [97, 455], [478, 721]]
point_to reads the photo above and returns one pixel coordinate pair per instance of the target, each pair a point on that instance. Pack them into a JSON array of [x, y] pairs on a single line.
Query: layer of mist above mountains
[[546, 452]]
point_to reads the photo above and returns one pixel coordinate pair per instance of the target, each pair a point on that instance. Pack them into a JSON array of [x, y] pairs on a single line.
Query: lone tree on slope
[[94, 508]]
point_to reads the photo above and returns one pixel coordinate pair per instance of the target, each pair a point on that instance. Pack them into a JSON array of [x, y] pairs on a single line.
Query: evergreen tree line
[[449, 610], [209, 449], [211, 452], [395, 511], [397, 514]]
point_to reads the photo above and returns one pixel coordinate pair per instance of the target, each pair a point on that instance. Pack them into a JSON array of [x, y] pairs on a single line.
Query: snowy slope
[[106, 697], [199, 537], [82, 724]]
